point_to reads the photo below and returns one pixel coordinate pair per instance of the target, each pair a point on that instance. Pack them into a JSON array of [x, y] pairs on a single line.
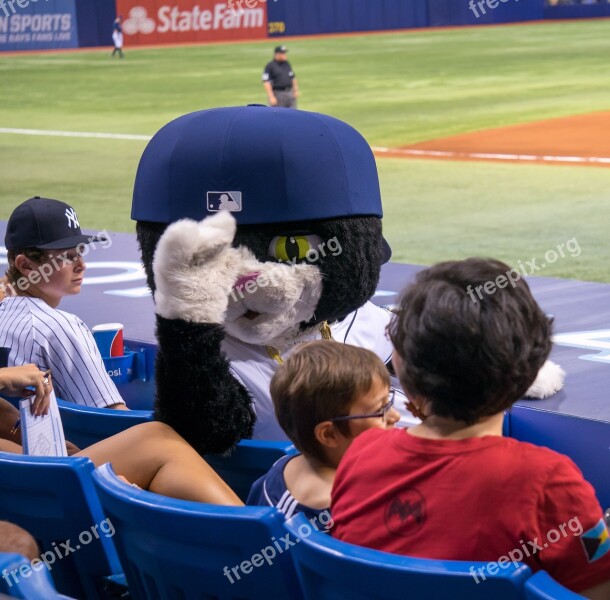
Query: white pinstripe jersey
[[52, 339]]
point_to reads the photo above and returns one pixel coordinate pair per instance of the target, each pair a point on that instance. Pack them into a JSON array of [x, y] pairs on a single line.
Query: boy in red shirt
[[453, 487]]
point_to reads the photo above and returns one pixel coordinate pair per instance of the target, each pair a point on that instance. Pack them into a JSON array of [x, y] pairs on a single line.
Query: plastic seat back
[[84, 425], [19, 580], [177, 549], [250, 460], [330, 569], [54, 499], [543, 587]]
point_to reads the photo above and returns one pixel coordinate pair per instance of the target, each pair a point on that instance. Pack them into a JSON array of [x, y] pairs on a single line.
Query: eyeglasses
[[381, 413]]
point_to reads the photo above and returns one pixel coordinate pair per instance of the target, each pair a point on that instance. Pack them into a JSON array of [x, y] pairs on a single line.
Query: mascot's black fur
[[196, 393], [288, 175], [354, 274]]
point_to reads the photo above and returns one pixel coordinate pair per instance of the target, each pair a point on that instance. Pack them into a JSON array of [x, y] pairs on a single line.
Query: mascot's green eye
[[295, 248]]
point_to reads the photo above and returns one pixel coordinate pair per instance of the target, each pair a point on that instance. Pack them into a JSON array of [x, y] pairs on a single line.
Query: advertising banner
[[176, 21], [37, 24]]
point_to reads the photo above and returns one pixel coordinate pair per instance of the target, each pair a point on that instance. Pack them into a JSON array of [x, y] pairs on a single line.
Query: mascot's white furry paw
[[548, 381], [195, 267]]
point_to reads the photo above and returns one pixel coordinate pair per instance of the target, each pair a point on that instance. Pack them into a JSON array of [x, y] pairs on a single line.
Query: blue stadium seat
[[543, 587], [139, 393], [55, 500], [177, 549], [29, 584], [84, 425], [333, 570], [250, 460]]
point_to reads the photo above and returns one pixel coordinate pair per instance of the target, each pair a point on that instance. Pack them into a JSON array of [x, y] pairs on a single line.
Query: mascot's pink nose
[[244, 279]]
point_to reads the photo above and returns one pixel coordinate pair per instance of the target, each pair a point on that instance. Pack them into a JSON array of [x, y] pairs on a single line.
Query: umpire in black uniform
[[279, 80]]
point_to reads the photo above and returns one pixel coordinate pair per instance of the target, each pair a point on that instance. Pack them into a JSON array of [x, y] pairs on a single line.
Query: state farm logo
[[173, 19], [138, 22]]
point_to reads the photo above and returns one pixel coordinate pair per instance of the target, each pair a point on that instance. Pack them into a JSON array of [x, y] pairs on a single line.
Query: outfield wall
[[42, 24], [577, 11], [177, 21], [292, 17], [95, 18], [38, 25], [462, 12]]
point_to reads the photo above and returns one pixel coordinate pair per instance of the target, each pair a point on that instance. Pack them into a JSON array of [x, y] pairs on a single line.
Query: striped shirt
[[52, 339], [271, 490]]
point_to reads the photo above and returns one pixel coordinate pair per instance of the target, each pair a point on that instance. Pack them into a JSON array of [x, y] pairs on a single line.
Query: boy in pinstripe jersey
[[44, 243]]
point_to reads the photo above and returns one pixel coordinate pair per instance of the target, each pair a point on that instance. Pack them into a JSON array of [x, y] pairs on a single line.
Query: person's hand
[[273, 101], [71, 448], [296, 93], [14, 381]]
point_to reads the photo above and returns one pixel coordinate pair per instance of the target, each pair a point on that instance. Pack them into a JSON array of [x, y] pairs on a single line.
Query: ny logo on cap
[[72, 219], [230, 201]]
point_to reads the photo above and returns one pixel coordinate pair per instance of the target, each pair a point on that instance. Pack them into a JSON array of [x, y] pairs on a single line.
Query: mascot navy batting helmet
[[265, 165]]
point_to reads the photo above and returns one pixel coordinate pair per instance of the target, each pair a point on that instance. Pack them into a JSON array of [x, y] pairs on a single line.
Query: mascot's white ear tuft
[[548, 381]]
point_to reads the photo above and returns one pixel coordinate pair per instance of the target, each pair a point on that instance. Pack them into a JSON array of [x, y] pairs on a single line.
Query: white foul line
[[379, 149], [488, 156], [77, 134]]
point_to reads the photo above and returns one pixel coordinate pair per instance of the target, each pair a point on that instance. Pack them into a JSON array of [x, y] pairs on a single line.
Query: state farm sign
[[157, 22]]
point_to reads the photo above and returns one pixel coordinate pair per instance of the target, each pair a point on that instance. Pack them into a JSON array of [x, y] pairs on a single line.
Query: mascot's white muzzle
[[270, 301]]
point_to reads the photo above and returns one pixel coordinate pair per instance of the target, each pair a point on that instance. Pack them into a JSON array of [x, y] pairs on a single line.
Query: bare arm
[[295, 88], [6, 446], [156, 458], [8, 417], [271, 97], [118, 406]]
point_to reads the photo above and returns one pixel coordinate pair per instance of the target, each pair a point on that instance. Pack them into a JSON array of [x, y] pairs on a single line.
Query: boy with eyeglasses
[[324, 395]]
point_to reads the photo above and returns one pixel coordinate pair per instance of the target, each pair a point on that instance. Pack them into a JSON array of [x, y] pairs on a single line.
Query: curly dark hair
[[469, 356]]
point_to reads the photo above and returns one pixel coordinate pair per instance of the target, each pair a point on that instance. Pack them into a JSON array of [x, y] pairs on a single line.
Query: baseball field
[[490, 141]]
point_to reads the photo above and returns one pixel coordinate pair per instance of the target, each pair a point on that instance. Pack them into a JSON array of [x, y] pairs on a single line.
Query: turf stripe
[[377, 149]]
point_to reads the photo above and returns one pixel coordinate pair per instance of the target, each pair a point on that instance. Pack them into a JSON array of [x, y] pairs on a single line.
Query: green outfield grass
[[395, 88]]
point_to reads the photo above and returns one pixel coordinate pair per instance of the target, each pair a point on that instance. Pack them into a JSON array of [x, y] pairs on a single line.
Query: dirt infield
[[576, 140]]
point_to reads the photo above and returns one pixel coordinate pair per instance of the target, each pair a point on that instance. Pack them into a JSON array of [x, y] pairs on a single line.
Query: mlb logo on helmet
[[291, 166], [230, 201]]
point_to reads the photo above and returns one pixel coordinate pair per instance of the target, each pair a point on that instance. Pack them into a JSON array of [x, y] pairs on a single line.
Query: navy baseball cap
[[263, 164], [46, 224]]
